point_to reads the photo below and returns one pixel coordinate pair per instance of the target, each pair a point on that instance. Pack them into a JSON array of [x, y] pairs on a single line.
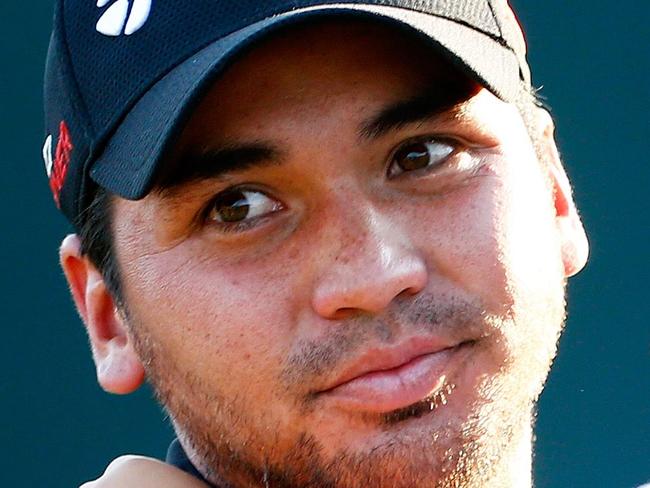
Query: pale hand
[[143, 472]]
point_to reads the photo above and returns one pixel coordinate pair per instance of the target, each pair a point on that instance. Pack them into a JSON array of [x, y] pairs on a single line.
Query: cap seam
[[522, 76], [496, 19], [502, 39], [412, 9]]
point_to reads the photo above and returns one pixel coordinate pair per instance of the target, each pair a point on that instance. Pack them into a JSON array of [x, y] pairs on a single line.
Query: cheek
[[495, 238], [227, 323], [461, 237]]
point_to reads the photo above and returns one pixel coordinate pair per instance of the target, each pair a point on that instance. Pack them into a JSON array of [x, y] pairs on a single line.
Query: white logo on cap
[[47, 155], [118, 20]]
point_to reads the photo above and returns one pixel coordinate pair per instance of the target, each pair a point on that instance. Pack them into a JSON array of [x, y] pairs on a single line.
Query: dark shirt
[[176, 457]]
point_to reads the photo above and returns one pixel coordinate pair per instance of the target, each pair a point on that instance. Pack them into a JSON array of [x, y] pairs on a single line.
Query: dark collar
[[176, 457]]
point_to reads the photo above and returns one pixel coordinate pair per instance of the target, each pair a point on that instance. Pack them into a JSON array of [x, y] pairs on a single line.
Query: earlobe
[[575, 247], [119, 369]]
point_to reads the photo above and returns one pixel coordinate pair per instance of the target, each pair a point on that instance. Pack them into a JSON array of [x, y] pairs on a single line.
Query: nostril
[[344, 313], [410, 291]]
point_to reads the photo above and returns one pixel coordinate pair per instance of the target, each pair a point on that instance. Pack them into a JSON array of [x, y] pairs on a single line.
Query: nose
[[373, 262]]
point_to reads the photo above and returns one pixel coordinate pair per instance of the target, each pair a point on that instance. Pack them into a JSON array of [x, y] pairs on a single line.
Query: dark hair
[[96, 235], [95, 229]]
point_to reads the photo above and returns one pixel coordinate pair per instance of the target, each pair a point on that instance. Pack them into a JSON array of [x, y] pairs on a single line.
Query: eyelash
[[237, 227], [454, 143], [232, 227]]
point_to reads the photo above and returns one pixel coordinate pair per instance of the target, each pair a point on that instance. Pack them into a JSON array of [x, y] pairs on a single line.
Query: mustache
[[454, 318]]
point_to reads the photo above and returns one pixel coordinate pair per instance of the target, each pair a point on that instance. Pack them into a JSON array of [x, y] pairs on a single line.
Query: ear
[[575, 247], [119, 369]]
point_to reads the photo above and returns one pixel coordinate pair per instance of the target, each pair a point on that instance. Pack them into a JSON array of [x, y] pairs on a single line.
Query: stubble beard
[[234, 447]]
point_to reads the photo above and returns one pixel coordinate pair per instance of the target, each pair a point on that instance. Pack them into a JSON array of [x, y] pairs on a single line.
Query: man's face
[[354, 274]]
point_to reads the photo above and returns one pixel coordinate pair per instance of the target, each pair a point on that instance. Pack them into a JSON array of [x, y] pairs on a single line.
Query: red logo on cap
[[61, 161]]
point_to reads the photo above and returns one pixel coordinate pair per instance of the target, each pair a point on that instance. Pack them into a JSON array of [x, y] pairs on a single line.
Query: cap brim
[[129, 162]]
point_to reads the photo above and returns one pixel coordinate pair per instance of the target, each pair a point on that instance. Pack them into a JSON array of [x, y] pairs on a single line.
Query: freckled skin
[[238, 330]]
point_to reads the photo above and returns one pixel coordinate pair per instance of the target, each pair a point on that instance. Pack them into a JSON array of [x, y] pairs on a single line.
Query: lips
[[388, 379]]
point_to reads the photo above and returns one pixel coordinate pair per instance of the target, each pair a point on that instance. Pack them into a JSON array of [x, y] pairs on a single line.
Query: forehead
[[311, 64], [334, 40]]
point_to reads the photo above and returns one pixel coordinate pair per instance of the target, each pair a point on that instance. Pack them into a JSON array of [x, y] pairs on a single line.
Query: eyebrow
[[217, 163], [435, 100]]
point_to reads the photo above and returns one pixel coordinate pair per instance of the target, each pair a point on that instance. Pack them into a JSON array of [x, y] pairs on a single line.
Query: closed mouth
[[390, 380]]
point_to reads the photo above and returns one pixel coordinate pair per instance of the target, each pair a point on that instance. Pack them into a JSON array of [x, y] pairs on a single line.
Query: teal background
[[58, 428]]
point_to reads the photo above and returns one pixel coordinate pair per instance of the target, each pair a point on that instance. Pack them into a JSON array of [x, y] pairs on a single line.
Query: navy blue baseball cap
[[123, 76]]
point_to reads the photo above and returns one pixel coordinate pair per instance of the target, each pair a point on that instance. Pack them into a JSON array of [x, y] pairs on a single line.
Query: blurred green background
[[592, 59]]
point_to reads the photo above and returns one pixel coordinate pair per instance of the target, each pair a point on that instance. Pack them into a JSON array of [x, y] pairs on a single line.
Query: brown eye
[[235, 206], [420, 155]]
